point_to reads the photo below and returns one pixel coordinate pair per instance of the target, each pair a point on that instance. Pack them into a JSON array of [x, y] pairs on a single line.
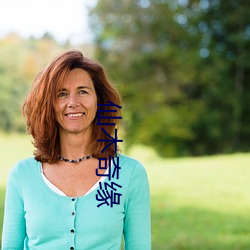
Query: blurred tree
[[224, 27], [20, 61], [181, 67], [12, 83]]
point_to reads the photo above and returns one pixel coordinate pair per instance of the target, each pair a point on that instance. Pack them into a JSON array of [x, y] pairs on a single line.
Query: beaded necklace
[[75, 161]]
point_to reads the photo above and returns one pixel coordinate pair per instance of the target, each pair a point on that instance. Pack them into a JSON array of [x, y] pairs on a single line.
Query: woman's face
[[76, 103]]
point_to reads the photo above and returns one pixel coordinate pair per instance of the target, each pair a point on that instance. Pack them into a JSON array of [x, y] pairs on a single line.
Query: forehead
[[77, 77]]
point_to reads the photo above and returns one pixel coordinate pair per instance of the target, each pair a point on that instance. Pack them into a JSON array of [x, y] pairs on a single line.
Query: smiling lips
[[75, 115]]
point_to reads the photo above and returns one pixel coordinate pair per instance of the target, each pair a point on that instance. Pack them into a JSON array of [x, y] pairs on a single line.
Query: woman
[[74, 194]]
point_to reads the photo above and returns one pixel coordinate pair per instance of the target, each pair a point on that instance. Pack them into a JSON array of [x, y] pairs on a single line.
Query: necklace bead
[[75, 161]]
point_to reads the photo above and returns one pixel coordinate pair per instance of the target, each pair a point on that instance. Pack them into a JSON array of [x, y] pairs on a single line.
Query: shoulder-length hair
[[38, 108]]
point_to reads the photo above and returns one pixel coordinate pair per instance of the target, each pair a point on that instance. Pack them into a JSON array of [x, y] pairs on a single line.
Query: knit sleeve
[[14, 229], [137, 228]]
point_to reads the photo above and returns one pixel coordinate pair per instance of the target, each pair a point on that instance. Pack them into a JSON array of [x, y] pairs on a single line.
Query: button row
[[72, 230]]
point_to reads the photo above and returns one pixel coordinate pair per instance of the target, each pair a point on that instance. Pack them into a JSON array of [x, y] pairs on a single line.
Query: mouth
[[75, 115]]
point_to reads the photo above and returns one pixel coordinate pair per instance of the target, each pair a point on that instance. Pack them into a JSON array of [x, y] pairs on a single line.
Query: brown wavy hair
[[40, 115]]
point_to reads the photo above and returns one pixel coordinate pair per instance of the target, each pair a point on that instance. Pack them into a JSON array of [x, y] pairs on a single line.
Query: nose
[[73, 102]]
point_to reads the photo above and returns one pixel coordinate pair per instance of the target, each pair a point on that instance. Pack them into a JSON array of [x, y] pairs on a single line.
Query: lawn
[[197, 203]]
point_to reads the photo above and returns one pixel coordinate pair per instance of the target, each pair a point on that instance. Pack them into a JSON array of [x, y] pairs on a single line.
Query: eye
[[62, 94], [82, 92]]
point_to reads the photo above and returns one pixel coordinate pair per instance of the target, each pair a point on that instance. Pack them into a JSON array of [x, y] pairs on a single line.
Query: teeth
[[75, 115]]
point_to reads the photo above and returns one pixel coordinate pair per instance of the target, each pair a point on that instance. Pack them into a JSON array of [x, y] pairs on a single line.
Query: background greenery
[[181, 66], [197, 203], [183, 69]]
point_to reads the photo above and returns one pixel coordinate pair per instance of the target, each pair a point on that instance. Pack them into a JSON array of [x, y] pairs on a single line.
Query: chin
[[74, 130]]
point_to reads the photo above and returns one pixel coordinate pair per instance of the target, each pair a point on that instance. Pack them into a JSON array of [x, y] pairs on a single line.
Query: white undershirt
[[58, 191]]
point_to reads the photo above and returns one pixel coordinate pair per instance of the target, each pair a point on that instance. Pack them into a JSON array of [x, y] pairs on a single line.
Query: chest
[[72, 180]]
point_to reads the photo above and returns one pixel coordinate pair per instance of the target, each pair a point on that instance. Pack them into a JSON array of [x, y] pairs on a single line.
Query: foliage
[[182, 68], [20, 61]]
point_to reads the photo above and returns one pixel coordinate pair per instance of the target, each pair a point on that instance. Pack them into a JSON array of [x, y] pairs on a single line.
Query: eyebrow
[[80, 87]]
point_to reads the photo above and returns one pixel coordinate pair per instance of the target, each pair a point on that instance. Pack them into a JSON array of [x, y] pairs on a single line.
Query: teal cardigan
[[36, 218]]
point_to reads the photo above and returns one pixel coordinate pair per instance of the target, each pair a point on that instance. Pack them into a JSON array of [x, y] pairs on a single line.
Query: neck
[[74, 146]]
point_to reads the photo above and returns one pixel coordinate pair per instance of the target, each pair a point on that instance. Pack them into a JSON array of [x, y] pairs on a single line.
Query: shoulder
[[131, 168], [130, 163], [127, 159], [21, 173], [24, 167]]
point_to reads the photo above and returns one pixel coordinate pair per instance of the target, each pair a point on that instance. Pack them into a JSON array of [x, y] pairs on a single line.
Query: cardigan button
[[73, 199], [72, 231], [73, 213], [72, 248]]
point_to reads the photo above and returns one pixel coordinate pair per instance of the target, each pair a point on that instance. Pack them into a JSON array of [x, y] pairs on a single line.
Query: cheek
[[59, 106], [93, 103], [93, 108]]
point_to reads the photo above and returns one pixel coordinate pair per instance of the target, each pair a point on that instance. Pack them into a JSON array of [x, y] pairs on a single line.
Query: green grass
[[197, 203], [13, 147]]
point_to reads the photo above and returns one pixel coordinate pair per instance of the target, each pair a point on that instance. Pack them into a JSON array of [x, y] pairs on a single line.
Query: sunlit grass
[[199, 203], [13, 147]]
